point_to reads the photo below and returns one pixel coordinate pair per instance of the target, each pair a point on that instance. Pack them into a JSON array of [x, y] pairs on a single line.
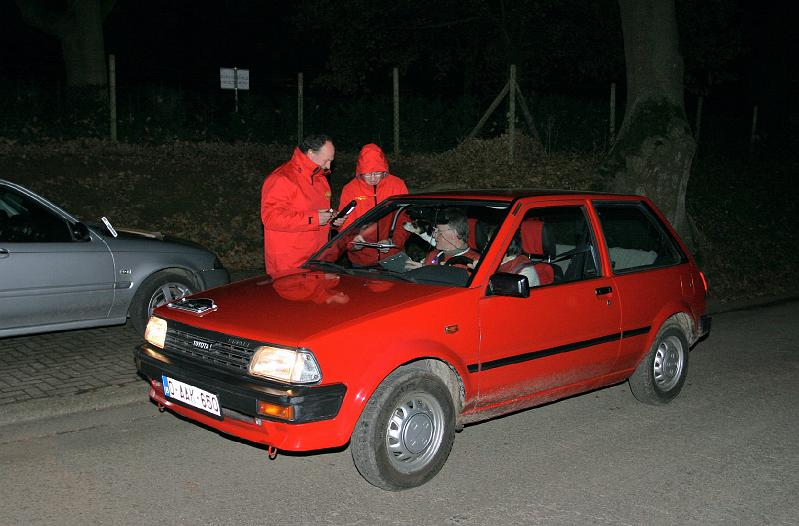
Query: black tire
[[406, 430], [661, 374], [156, 290]]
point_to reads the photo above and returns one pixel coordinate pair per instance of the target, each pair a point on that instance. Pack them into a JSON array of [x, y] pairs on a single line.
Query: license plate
[[191, 395]]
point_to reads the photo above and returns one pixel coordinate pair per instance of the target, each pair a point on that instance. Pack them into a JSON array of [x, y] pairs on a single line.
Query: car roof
[[512, 194]]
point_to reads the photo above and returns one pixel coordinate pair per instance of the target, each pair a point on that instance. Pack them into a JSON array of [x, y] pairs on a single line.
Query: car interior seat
[[532, 241]]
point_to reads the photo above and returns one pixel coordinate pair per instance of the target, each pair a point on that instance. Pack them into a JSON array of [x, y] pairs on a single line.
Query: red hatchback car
[[463, 306]]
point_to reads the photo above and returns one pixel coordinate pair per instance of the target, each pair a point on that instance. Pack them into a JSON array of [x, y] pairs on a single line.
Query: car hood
[[293, 308], [133, 237]]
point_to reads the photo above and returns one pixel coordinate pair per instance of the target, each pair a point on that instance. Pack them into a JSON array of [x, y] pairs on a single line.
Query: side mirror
[[80, 232], [506, 284]]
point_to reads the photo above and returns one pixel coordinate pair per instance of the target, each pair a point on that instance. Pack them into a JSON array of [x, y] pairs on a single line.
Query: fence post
[[612, 116], [299, 108], [753, 133], [112, 96], [511, 112], [698, 124], [396, 113]]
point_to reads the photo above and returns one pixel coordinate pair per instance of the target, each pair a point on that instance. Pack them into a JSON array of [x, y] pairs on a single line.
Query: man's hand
[[384, 242], [411, 264], [338, 222], [325, 215], [356, 243]]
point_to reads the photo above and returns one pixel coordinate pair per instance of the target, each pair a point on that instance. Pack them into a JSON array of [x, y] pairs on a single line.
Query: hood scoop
[[196, 306]]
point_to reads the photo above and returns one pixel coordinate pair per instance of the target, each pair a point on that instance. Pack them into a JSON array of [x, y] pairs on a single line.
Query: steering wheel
[[461, 260]]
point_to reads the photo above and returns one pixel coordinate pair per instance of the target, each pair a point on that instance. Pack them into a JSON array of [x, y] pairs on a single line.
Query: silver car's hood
[[136, 236]]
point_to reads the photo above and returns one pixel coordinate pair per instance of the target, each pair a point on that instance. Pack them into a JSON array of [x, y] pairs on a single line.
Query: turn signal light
[[283, 412]]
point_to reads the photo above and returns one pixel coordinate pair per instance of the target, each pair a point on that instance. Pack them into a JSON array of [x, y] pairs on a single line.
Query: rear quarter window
[[636, 238]]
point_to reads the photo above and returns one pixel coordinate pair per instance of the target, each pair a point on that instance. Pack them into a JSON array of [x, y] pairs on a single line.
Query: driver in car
[[450, 234]]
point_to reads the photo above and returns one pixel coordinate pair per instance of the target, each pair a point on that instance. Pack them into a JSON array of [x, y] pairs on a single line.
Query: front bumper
[[314, 408]]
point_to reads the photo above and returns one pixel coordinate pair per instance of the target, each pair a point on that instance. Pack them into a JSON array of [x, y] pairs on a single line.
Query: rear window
[[636, 238]]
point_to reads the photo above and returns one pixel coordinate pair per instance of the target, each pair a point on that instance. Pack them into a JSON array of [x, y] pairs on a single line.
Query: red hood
[[292, 308], [371, 159]]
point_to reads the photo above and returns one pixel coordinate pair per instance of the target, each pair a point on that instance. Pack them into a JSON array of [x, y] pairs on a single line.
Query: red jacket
[[367, 196], [371, 159], [291, 198]]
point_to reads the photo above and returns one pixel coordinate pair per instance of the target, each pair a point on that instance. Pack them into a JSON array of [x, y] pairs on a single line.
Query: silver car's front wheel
[[159, 289], [166, 293]]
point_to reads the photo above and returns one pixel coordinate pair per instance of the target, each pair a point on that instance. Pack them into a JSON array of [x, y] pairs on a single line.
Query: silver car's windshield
[[433, 241]]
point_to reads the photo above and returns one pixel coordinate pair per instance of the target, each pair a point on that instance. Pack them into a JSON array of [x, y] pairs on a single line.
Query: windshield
[[432, 241]]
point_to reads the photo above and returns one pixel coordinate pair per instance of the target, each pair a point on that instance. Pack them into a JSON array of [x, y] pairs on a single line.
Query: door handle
[[4, 253], [601, 291]]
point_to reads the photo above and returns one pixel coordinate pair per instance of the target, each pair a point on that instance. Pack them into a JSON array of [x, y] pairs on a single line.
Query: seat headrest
[[472, 241], [532, 230]]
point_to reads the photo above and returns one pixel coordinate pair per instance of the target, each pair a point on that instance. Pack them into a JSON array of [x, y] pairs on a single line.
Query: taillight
[[704, 280]]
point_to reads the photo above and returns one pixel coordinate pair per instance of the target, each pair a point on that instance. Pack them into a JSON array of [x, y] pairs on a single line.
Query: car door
[[48, 274], [649, 269], [566, 333]]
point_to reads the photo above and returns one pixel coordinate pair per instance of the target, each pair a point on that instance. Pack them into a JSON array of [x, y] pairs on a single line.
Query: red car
[[470, 305]]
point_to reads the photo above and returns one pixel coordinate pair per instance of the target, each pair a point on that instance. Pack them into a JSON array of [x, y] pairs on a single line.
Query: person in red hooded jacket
[[295, 206], [372, 184]]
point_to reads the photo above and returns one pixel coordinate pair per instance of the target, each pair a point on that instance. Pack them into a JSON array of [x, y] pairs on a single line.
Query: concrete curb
[[95, 400], [715, 307]]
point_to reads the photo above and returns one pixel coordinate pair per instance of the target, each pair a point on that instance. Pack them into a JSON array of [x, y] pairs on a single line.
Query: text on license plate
[[188, 394]]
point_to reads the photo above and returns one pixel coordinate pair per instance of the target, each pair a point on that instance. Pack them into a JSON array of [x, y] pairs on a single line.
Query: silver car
[[58, 273]]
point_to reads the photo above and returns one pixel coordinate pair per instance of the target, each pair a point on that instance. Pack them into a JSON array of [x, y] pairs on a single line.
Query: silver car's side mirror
[[80, 232]]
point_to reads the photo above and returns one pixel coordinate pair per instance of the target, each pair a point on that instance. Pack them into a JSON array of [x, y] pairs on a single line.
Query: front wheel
[[158, 289], [661, 374], [406, 430]]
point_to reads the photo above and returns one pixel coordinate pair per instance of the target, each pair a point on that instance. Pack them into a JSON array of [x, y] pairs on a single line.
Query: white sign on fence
[[234, 78]]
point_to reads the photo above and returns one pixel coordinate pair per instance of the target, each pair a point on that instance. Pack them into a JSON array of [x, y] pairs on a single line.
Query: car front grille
[[208, 348]]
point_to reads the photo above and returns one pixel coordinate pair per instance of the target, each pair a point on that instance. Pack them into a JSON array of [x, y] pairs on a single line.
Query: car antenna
[[107, 224]]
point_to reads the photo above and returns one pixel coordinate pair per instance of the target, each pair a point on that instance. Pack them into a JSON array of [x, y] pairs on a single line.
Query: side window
[[23, 220], [552, 245], [636, 239]]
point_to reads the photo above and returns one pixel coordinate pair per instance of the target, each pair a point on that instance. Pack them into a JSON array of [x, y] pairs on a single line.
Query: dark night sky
[[162, 40], [186, 41]]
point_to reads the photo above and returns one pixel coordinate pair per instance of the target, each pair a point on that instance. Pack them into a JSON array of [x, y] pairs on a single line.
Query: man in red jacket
[[372, 184], [295, 206]]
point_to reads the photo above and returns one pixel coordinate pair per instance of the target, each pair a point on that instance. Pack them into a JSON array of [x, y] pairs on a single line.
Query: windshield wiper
[[393, 273], [329, 265], [375, 245]]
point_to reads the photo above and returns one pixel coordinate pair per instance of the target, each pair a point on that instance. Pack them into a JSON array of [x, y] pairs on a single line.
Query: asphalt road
[[724, 452]]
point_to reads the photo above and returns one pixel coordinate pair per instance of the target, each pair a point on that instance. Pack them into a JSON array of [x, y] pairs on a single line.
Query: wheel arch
[[426, 356], [191, 276], [678, 313]]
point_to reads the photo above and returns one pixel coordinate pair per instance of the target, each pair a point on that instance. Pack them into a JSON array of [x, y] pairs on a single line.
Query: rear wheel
[[406, 430], [159, 289], [661, 374]]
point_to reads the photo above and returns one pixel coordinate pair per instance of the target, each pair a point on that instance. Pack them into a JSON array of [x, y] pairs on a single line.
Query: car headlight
[[155, 332], [286, 365]]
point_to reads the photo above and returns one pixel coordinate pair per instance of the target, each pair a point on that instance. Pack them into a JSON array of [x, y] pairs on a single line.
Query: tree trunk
[[84, 47], [654, 150], [79, 27]]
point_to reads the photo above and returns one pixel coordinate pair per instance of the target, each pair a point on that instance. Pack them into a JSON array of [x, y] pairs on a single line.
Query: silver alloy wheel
[[414, 432], [668, 363], [167, 293]]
